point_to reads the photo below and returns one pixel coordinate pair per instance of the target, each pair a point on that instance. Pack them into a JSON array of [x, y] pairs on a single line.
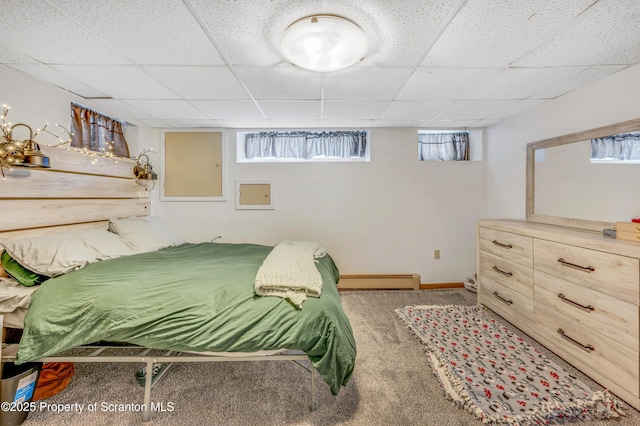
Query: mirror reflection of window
[[620, 148]]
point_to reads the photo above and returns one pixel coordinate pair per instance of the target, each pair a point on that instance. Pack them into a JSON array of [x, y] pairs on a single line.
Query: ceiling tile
[[247, 32], [307, 124], [51, 37], [484, 123], [624, 56], [353, 110], [229, 110], [218, 63], [513, 109], [444, 83], [414, 110], [291, 110], [364, 83], [494, 33], [520, 83], [476, 109], [155, 123], [589, 38], [58, 78], [397, 123], [117, 109], [245, 124], [347, 124], [582, 78], [196, 82], [12, 56], [146, 31], [446, 124], [281, 83], [167, 109], [193, 124], [119, 81], [401, 32]]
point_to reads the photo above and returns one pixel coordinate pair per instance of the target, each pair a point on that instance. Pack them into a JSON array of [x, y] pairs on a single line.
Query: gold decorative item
[[143, 171], [19, 154]]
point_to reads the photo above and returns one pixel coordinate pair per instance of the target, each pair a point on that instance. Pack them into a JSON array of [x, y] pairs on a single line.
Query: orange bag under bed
[[54, 377]]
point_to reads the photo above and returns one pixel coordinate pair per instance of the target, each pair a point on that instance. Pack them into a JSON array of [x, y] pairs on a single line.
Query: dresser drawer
[[631, 236], [628, 227], [605, 272], [515, 307], [513, 275], [507, 245], [605, 360], [600, 312]]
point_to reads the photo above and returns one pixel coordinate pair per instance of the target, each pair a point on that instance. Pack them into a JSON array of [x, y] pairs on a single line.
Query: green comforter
[[193, 297]]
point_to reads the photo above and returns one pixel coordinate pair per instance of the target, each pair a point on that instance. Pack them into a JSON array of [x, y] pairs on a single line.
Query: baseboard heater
[[379, 281]]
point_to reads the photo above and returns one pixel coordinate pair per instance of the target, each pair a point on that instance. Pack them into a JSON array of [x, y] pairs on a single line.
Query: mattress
[[191, 298]]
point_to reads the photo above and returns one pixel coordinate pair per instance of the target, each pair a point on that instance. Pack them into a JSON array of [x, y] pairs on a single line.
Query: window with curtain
[[339, 145], [97, 132], [443, 145], [620, 148]]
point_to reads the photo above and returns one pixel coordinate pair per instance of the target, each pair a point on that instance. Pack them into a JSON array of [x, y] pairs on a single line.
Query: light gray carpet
[[392, 384]]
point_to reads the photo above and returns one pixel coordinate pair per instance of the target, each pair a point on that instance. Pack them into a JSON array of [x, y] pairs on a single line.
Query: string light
[[104, 153]]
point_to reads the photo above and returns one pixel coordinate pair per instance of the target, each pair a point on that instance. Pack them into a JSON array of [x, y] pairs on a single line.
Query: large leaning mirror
[[567, 187]]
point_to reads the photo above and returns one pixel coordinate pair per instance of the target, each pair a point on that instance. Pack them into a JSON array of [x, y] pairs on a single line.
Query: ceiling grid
[[435, 63]]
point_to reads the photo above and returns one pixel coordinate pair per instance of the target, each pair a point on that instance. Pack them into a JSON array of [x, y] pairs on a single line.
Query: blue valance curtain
[[621, 147], [305, 145], [440, 146]]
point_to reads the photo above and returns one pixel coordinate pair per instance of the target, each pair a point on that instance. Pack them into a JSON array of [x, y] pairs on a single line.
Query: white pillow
[[58, 253], [147, 233]]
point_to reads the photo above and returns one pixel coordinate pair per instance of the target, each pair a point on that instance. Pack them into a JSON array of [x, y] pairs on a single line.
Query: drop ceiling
[[208, 63]]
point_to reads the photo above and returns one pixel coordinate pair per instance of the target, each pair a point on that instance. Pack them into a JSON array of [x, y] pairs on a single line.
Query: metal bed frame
[[169, 357]]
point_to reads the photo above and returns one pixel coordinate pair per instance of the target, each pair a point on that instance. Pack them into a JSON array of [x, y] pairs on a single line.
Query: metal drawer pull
[[508, 274], [576, 304], [508, 302], [588, 269], [587, 348], [502, 245]]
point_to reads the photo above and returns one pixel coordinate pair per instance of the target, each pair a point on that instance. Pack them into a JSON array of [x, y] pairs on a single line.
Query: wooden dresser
[[576, 292]]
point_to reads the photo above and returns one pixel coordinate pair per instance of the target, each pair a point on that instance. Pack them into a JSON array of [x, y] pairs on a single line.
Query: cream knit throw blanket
[[289, 271]]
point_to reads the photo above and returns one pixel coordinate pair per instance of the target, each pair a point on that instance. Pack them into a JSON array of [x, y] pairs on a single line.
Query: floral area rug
[[486, 368]]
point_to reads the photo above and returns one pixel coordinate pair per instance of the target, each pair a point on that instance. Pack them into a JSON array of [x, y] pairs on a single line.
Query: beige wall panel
[[255, 194], [34, 213], [63, 159], [192, 164], [41, 183]]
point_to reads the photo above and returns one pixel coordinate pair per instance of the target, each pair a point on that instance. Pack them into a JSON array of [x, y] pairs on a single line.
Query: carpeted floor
[[392, 383]]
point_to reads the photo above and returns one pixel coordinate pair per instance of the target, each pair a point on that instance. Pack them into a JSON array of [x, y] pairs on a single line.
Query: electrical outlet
[[436, 254]]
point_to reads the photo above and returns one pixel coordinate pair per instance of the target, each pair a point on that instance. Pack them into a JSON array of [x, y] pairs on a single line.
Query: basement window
[[303, 146], [623, 148], [98, 132], [450, 145], [443, 145]]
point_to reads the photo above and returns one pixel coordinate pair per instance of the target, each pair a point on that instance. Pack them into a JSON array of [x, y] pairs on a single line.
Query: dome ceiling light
[[324, 43]]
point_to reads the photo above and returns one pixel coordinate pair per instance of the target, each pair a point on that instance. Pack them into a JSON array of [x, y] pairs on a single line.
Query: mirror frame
[[591, 225]]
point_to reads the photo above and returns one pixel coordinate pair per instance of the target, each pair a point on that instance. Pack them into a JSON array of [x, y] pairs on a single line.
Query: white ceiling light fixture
[[324, 43]]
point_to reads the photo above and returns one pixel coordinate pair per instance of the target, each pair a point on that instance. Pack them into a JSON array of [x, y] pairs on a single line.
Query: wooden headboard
[[79, 190]]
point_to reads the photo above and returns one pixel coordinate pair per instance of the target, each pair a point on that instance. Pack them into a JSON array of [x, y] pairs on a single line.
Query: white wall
[[608, 101], [384, 216], [36, 103]]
